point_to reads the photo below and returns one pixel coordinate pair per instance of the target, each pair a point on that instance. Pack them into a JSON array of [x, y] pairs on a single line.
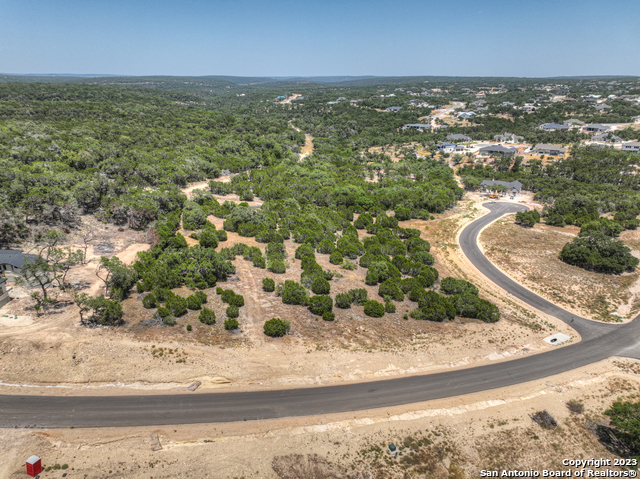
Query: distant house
[[13, 260], [446, 147], [635, 119], [602, 106], [513, 186], [595, 128], [416, 126], [497, 149], [394, 108], [553, 127], [465, 115], [507, 137], [607, 137], [632, 146], [458, 137], [573, 122], [529, 108], [551, 150], [341, 99]]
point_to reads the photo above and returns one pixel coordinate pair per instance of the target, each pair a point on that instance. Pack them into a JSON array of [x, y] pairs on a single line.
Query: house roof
[[596, 126], [553, 126], [416, 125], [573, 121], [498, 149], [444, 144], [549, 146], [509, 184], [632, 143], [14, 257], [394, 108], [458, 136]]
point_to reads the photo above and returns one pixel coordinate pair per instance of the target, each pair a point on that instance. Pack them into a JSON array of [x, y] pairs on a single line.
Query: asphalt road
[[599, 342]]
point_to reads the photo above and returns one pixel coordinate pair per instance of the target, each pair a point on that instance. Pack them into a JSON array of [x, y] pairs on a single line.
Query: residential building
[[573, 122], [514, 186], [548, 149], [595, 128], [394, 108], [497, 149], [446, 147], [602, 106], [458, 137], [13, 260], [632, 146], [4, 294], [607, 137], [416, 126], [465, 115], [507, 137], [553, 127]]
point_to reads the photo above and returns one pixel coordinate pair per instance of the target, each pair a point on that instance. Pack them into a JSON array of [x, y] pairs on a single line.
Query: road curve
[[599, 342]]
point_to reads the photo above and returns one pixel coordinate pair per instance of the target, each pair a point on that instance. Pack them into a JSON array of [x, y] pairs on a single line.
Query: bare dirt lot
[[452, 438], [530, 256]]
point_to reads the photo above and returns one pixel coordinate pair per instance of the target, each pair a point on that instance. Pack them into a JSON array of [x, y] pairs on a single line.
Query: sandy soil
[[451, 438]]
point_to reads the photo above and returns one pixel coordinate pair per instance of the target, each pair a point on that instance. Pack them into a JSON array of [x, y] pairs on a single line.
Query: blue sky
[[284, 38]]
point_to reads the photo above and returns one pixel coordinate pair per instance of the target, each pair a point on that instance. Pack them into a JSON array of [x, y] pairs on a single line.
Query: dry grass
[[530, 256]]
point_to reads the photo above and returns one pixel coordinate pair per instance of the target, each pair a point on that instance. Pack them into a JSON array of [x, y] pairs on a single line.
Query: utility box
[[34, 466]]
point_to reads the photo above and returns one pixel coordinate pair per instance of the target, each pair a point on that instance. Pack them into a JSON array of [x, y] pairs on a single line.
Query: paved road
[[600, 342]]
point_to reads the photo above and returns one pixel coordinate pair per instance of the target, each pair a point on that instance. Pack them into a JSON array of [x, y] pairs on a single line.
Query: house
[[595, 128], [513, 186], [632, 146], [13, 260], [394, 108], [635, 119], [497, 149], [507, 137], [553, 127], [551, 150], [573, 122], [416, 126], [602, 106], [458, 137], [4, 295], [446, 147], [465, 115], [606, 137], [527, 108], [341, 99]]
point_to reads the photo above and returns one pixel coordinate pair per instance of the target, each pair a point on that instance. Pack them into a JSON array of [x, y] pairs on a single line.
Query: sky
[[534, 38]]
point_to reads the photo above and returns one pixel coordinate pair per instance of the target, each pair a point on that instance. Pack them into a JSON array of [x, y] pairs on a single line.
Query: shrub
[[390, 288], [231, 323], [320, 304], [294, 293], [222, 235], [389, 307], [202, 296], [348, 265], [374, 309], [219, 290], [177, 305], [305, 250], [575, 406], [268, 285], [544, 419], [457, 286], [599, 252], [416, 293], [189, 327], [363, 221], [259, 262], [320, 286], [236, 300], [208, 239], [336, 257], [359, 296], [193, 303], [227, 295], [149, 301], [163, 312], [328, 316], [169, 320], [277, 266], [207, 316], [343, 300], [233, 312], [276, 328], [162, 294]]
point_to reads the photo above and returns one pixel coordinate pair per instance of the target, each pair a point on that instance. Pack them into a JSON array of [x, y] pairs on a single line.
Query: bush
[[374, 309], [177, 305], [363, 221], [544, 419], [193, 303], [389, 307], [277, 266], [207, 316], [575, 406], [528, 218], [328, 316], [162, 294], [343, 300], [222, 235], [325, 247], [169, 320], [219, 290], [336, 257], [149, 301], [320, 286], [231, 323], [276, 328], [202, 296], [348, 265], [259, 262], [227, 295], [359, 296], [268, 285], [320, 304], [189, 328], [305, 250], [208, 239], [294, 293], [390, 288], [599, 252], [470, 306], [233, 312], [457, 286], [236, 300], [163, 312]]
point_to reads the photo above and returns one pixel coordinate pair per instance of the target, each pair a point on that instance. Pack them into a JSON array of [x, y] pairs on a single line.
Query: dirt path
[[307, 149]]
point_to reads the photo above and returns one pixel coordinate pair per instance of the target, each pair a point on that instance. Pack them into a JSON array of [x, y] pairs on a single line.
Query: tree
[[105, 311], [276, 327], [231, 323], [320, 304], [457, 286], [38, 271], [625, 417], [62, 260], [268, 285], [294, 293], [320, 286], [117, 277], [82, 302], [343, 300], [88, 235], [374, 309], [207, 316], [389, 288]]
